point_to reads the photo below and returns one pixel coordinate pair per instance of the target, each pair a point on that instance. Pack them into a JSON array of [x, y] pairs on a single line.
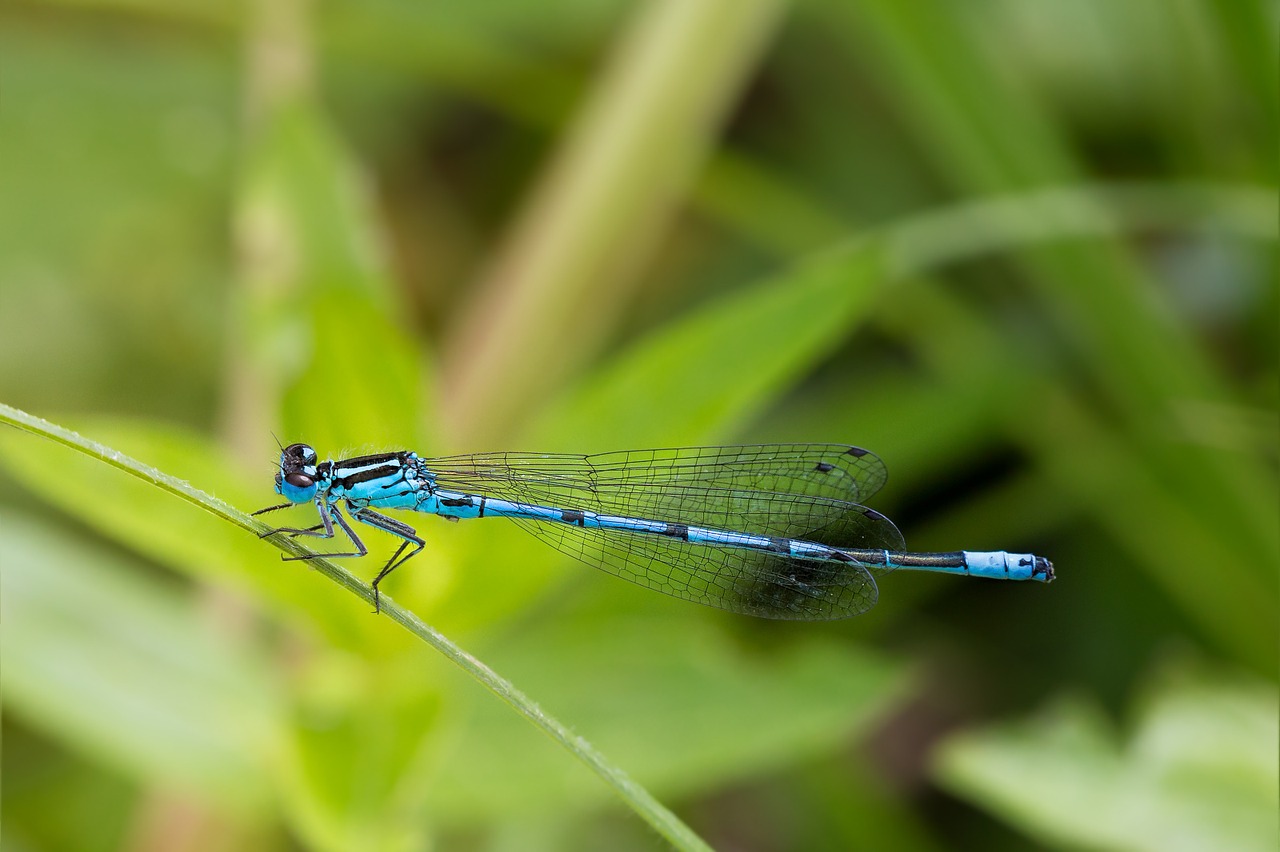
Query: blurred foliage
[[1199, 772], [1025, 251]]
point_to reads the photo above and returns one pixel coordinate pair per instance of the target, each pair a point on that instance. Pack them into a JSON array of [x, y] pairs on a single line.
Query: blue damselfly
[[771, 530]]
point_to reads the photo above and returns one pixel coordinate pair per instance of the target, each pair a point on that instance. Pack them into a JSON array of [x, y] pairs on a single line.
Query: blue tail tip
[[1042, 569]]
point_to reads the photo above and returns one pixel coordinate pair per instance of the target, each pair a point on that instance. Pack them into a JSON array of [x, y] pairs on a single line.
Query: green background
[[1025, 251]]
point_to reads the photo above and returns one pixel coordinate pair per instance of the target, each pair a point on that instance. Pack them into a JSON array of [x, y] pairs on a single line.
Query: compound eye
[[300, 451], [299, 480]]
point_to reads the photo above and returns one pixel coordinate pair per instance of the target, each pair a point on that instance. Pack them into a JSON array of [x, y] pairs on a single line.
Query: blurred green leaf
[[743, 350], [947, 83], [1198, 771], [1106, 469], [355, 774], [1111, 308], [60, 800], [677, 703], [131, 671], [305, 206], [317, 308], [115, 152]]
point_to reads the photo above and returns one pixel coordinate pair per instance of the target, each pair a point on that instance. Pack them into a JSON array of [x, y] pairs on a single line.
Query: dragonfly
[[770, 530]]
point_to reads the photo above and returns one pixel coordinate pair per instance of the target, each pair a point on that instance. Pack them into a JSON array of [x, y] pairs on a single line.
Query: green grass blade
[[636, 797]]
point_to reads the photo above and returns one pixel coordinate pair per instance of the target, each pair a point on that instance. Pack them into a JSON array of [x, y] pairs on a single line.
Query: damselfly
[[772, 530]]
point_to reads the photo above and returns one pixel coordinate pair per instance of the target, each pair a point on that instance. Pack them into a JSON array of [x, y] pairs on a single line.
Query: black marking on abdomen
[[480, 514], [680, 531], [455, 502], [779, 545], [953, 559], [573, 516]]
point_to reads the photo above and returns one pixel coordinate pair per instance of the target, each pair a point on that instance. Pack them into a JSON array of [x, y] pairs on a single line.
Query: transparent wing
[[806, 491], [740, 488]]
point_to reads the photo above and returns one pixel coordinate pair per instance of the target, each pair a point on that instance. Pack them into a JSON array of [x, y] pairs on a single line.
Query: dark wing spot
[[823, 467]]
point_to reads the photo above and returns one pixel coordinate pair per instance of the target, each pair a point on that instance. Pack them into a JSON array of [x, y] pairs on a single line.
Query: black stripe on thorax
[[376, 467], [376, 459]]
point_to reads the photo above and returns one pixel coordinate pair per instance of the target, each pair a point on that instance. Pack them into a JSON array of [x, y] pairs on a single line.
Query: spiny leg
[[293, 531], [398, 529], [328, 514], [325, 513]]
